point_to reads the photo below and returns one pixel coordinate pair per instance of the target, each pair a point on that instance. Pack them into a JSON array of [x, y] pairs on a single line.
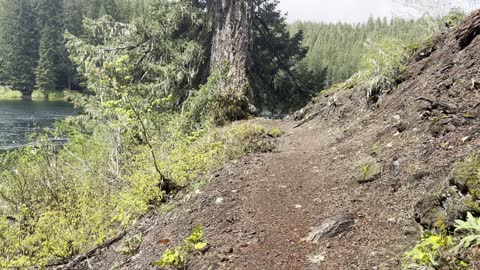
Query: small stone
[[389, 145], [234, 191], [298, 206], [223, 258], [227, 250], [330, 228], [316, 259], [219, 200]]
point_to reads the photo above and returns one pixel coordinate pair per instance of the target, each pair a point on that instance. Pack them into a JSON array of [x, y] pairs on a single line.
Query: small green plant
[[176, 257], [444, 250], [172, 257], [428, 252]]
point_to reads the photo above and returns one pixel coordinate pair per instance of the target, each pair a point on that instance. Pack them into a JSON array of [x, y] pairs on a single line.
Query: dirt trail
[[257, 210]]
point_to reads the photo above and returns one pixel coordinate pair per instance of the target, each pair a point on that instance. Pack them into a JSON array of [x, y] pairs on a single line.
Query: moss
[[466, 175], [6, 93], [369, 172], [275, 132], [376, 149]]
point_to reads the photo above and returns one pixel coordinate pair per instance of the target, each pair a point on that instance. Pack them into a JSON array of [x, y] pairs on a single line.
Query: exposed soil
[[257, 210]]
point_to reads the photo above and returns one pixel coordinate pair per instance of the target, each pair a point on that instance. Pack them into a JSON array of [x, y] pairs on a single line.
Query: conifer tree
[[51, 29], [19, 52]]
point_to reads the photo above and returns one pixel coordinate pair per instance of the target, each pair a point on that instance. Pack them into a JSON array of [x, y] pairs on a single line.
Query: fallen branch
[[306, 120], [444, 106], [89, 253]]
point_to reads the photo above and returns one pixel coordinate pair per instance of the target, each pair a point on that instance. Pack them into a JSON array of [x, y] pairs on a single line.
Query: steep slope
[[360, 170]]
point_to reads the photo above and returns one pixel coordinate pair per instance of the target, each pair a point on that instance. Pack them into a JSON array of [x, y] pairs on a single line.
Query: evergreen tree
[[73, 14], [3, 44], [281, 82], [20, 44], [51, 30], [93, 8]]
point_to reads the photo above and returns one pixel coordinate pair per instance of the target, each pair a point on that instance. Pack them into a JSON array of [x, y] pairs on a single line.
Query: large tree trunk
[[231, 46]]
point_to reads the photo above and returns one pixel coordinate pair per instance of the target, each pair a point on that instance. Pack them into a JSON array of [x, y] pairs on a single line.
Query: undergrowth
[[57, 202], [446, 250], [457, 248]]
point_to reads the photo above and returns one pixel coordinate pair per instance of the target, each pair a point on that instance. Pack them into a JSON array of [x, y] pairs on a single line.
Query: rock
[[369, 172], [226, 250], [316, 259], [401, 127], [219, 200], [330, 228]]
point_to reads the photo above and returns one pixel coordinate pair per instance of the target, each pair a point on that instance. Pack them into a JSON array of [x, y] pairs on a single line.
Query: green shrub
[[52, 95], [39, 95], [428, 252], [78, 195], [6, 93], [383, 67], [445, 250]]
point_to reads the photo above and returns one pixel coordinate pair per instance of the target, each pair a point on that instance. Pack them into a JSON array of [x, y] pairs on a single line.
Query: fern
[[471, 230]]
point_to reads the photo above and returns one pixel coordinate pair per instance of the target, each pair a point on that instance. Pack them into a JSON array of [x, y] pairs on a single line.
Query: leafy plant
[[428, 251], [470, 230], [177, 257]]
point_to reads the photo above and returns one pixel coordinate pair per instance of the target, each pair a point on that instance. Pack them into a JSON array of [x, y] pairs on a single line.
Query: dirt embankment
[[354, 174]]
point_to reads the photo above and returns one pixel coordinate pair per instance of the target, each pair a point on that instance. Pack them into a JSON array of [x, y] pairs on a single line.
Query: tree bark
[[231, 46]]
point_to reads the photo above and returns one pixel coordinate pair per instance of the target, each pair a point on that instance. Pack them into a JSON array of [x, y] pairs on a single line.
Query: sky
[[359, 10]]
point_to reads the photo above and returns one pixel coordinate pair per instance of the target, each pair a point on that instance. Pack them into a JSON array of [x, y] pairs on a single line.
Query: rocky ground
[[340, 190]]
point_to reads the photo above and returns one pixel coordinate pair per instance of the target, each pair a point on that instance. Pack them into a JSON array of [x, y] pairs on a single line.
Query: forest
[[159, 83], [32, 46]]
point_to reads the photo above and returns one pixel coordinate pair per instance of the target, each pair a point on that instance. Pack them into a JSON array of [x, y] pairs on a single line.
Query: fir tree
[[19, 52], [51, 42]]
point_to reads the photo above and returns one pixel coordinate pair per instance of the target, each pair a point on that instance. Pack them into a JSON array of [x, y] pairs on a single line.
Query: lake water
[[20, 117]]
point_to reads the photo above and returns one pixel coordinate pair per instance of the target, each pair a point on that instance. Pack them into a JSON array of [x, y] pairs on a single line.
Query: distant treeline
[[33, 55], [339, 48]]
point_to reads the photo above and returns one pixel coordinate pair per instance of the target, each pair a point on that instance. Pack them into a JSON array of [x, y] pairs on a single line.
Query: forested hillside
[[339, 49], [33, 55]]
